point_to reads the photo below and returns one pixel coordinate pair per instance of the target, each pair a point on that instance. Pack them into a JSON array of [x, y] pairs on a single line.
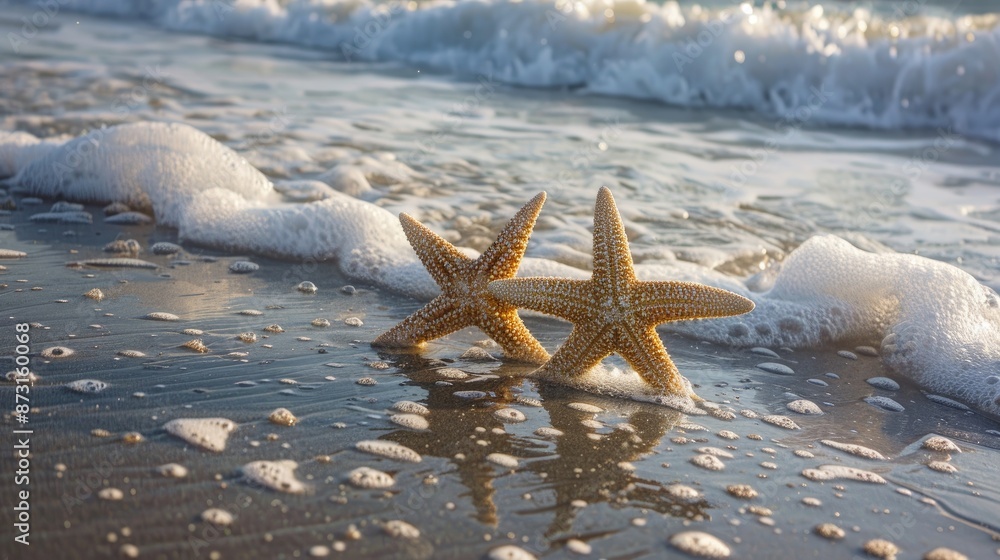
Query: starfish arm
[[439, 317], [584, 349], [503, 257], [569, 299], [659, 302], [612, 257], [442, 260], [506, 328], [644, 351]]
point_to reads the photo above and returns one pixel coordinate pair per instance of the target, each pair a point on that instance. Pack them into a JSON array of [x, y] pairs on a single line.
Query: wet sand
[[607, 481]]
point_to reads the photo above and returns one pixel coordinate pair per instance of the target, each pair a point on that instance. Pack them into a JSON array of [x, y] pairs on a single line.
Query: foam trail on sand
[[935, 322]]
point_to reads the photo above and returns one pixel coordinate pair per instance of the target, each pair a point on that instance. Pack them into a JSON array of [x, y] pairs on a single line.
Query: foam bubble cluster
[[937, 324]]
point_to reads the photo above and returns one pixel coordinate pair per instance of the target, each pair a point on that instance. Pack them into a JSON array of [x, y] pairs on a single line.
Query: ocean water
[[836, 162]]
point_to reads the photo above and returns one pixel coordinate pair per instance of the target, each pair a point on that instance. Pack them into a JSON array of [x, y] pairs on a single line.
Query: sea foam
[[934, 322]]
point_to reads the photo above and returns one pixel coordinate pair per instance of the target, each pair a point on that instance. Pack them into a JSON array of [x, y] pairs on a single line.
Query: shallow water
[[473, 152]]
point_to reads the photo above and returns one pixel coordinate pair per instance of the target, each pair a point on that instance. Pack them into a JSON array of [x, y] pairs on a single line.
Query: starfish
[[465, 300], [615, 312]]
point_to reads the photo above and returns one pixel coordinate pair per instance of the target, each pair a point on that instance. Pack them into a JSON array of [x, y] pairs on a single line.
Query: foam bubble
[[95, 294], [940, 444], [165, 248], [196, 345], [885, 403], [585, 407], [389, 449], [412, 421], [217, 516], [781, 421], [161, 316], [57, 352], [208, 433], [369, 478], [715, 451], [829, 531], [830, 472], [510, 552], [111, 494], [400, 529], [854, 449], [683, 492], [172, 470], [708, 462], [772, 367], [828, 290], [881, 548], [282, 417], [87, 386], [548, 432], [803, 406], [510, 415], [883, 383], [503, 459], [410, 407], [276, 475], [742, 491], [701, 544]]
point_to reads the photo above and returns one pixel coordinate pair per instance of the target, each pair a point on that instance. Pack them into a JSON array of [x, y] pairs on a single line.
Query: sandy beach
[[608, 481], [209, 389]]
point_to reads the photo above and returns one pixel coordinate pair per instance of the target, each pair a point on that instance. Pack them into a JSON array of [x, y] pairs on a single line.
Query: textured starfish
[[615, 312], [465, 300]]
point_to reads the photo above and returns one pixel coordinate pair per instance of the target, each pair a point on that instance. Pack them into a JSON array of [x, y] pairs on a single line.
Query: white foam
[[276, 475], [938, 325], [207, 433]]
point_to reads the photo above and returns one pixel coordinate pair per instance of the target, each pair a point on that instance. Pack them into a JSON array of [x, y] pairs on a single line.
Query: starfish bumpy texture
[[615, 312], [465, 300]]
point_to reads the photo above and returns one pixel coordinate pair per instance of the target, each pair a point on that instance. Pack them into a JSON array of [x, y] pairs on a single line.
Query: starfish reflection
[[587, 462]]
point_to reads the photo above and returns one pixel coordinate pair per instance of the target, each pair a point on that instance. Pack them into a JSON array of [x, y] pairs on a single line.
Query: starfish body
[[614, 312], [465, 300]]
